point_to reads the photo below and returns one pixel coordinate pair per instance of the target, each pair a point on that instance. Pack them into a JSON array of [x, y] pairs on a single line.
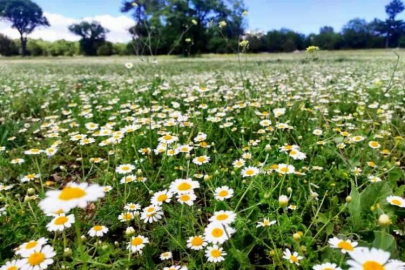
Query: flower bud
[[296, 237], [283, 201], [348, 198], [384, 220], [129, 231], [31, 191]]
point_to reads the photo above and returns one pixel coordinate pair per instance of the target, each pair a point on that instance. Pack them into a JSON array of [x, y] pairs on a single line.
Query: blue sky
[[305, 16], [300, 15]]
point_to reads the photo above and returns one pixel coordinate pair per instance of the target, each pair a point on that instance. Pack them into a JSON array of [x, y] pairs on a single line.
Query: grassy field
[[270, 161]]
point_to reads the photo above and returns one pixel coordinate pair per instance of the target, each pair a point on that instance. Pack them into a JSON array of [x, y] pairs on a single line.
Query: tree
[[391, 28], [25, 16], [92, 36], [165, 26]]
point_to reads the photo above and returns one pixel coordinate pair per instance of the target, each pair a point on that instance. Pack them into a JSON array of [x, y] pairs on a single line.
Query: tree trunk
[[387, 42], [23, 46]]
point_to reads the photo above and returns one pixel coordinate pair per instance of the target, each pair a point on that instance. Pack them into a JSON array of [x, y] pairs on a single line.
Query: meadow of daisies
[[289, 161]]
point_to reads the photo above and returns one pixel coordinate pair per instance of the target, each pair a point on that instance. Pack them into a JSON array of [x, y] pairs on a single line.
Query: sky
[[305, 16]]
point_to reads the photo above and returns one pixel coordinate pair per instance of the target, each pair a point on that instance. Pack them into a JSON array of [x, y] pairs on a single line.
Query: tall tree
[[92, 36], [391, 28], [25, 16]]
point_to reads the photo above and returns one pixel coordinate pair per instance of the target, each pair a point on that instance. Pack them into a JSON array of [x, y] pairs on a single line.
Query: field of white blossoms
[[290, 161]]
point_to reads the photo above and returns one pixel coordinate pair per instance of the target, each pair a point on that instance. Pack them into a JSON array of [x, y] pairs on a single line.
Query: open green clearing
[[216, 147]]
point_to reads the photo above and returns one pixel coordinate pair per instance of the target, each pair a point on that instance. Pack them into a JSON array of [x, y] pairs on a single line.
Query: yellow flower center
[[201, 159], [162, 198], [217, 232], [372, 265], [293, 258], [167, 137], [125, 168], [185, 198], [97, 228], [215, 253], [136, 241], [12, 268], [31, 244], [184, 186], [197, 241], [71, 193], [374, 144], [222, 216], [36, 258], [223, 193], [127, 216], [345, 245], [284, 170], [396, 202], [250, 172], [61, 220]]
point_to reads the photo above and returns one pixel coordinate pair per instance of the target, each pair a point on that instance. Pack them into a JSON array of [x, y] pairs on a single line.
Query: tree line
[[191, 27]]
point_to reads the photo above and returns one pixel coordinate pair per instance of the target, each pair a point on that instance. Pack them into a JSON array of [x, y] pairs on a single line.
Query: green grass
[[340, 93]]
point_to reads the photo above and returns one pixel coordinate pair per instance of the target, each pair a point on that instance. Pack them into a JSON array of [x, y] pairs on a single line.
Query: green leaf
[[400, 191], [373, 194], [384, 241], [354, 208]]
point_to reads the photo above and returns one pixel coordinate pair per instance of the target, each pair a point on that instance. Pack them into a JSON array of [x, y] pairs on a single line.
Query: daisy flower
[[239, 163], [30, 177], [196, 242], [317, 132], [187, 198], [18, 161], [184, 148], [343, 245], [71, 196], [217, 233], [326, 266], [250, 171], [297, 155], [278, 112], [183, 186], [201, 160], [374, 178], [168, 139], [31, 246], [33, 151], [137, 243], [39, 259], [12, 265], [127, 216], [125, 168], [265, 223], [160, 197], [166, 256], [396, 200], [132, 206], [215, 254], [292, 257], [374, 144], [151, 213], [285, 169], [222, 193], [128, 179], [375, 259], [98, 230], [223, 217], [60, 222]]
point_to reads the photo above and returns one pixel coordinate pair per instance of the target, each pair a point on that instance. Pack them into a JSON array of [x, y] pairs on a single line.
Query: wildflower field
[[282, 161]]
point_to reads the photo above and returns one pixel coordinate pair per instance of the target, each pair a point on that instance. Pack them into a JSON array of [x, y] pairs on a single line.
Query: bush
[[105, 49], [7, 46]]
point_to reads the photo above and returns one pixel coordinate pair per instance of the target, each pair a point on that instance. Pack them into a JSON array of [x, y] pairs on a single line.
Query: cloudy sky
[[305, 16]]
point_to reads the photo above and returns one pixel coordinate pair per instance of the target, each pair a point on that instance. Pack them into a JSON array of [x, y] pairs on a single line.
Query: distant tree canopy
[[185, 27], [25, 16], [170, 26], [92, 36]]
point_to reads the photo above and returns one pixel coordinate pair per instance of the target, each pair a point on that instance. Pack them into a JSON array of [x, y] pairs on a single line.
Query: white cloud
[[118, 27]]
